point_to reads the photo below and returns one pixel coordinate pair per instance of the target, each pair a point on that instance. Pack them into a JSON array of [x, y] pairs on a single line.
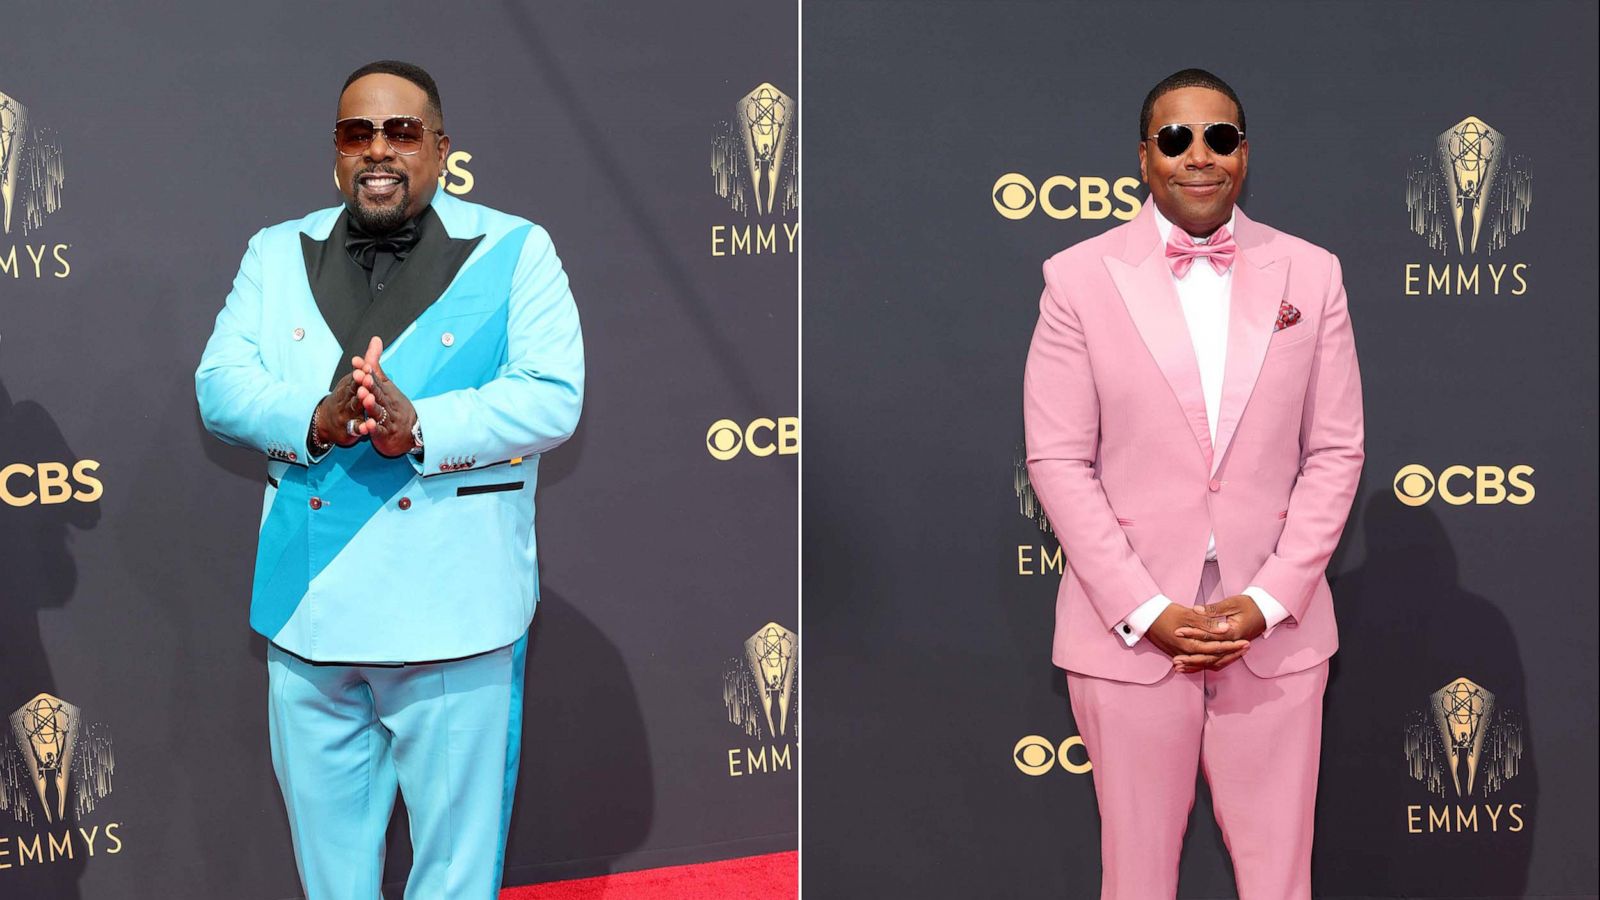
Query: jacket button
[[1215, 486], [316, 502], [405, 502], [299, 334]]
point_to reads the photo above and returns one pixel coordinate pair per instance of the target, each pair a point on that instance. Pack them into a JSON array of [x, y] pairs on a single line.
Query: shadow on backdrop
[[1407, 628], [37, 572]]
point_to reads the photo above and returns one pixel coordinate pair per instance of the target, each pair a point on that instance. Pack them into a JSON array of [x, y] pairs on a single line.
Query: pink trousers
[[1256, 739]]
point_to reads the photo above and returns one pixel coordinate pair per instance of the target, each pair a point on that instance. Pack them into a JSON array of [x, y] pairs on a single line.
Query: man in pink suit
[[1194, 430]]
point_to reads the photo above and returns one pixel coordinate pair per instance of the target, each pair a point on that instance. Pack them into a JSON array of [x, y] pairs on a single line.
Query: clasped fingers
[[1211, 648]]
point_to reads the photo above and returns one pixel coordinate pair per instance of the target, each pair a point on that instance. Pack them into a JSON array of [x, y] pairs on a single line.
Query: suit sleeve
[[1331, 453], [241, 402], [533, 404], [1061, 414]]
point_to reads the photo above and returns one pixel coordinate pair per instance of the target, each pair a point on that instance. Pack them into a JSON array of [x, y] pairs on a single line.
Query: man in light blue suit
[[402, 361]]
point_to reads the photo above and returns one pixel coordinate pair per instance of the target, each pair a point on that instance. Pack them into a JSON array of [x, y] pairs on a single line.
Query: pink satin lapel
[[1152, 302], [1252, 312]]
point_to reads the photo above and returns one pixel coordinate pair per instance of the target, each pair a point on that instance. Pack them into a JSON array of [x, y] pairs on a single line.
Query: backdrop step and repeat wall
[[142, 146], [960, 145]]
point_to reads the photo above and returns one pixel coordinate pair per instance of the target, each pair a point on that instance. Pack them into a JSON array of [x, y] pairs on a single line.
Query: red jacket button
[[1215, 486], [405, 502], [316, 502]]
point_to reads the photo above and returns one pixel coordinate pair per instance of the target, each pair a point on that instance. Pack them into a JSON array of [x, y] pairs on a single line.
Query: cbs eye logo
[[726, 438], [1015, 197], [1414, 485], [1035, 755]]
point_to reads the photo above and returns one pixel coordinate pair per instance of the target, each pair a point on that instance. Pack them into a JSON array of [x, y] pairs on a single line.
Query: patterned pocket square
[[1287, 315]]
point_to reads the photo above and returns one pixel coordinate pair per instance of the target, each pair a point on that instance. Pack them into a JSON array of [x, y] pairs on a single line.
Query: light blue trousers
[[446, 734]]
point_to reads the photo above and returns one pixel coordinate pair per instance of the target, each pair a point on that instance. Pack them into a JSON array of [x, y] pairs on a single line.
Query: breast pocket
[[1293, 336]]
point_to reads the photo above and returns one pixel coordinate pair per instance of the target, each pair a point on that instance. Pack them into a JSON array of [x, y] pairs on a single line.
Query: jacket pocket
[[1293, 336], [471, 489]]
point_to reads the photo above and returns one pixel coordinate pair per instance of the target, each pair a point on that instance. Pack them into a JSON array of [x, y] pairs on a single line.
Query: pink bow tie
[[1182, 251]]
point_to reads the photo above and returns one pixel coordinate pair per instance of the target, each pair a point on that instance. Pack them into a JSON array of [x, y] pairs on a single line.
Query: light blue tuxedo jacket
[[362, 558]]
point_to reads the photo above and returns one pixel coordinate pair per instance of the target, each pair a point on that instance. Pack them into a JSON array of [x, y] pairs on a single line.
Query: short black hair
[[410, 72], [1186, 79]]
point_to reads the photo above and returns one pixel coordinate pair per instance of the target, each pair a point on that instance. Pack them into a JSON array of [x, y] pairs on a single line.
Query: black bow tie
[[363, 247]]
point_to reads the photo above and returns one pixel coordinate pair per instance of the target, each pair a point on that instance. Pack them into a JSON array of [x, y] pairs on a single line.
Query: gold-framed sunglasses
[[404, 134], [1222, 137]]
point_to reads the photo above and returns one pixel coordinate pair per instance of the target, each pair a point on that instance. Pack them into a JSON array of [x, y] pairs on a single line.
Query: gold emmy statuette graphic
[[13, 140], [1471, 153], [1469, 193], [770, 655], [46, 728], [1466, 739], [1461, 711], [765, 116], [751, 154]]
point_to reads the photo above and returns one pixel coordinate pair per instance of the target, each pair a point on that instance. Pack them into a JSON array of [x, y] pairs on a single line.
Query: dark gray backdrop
[[930, 652], [183, 128]]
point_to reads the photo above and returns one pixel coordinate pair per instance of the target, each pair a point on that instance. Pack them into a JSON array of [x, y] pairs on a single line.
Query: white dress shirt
[[1204, 297]]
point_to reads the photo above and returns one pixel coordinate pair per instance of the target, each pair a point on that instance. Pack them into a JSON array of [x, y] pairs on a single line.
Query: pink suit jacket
[[1120, 454]]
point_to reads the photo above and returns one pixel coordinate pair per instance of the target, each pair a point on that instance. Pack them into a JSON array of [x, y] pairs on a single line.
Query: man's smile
[[379, 186], [1199, 188]]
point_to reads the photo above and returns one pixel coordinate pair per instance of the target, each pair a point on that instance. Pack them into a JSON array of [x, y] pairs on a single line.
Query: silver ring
[[383, 415], [350, 427]]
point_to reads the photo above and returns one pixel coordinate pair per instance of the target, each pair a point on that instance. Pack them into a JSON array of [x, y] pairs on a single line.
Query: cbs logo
[[762, 437], [1414, 485], [1015, 197], [1035, 755], [50, 482]]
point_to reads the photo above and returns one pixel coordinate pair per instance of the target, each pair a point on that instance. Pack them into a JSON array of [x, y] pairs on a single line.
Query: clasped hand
[[366, 404], [1207, 637]]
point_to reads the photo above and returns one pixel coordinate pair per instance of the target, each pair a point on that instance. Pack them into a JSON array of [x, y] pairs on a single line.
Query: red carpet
[[770, 877]]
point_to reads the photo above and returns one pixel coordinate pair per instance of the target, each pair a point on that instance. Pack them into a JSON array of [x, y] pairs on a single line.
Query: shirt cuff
[[1139, 621], [1271, 609]]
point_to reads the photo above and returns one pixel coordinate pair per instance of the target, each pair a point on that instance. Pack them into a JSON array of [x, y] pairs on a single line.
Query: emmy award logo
[[1469, 188], [752, 157], [66, 761], [1467, 739], [760, 687], [1464, 733]]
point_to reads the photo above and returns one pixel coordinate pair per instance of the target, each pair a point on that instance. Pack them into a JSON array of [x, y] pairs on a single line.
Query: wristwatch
[[416, 440]]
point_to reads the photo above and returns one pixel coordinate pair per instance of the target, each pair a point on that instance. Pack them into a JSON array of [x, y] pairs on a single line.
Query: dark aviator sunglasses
[[1222, 137]]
